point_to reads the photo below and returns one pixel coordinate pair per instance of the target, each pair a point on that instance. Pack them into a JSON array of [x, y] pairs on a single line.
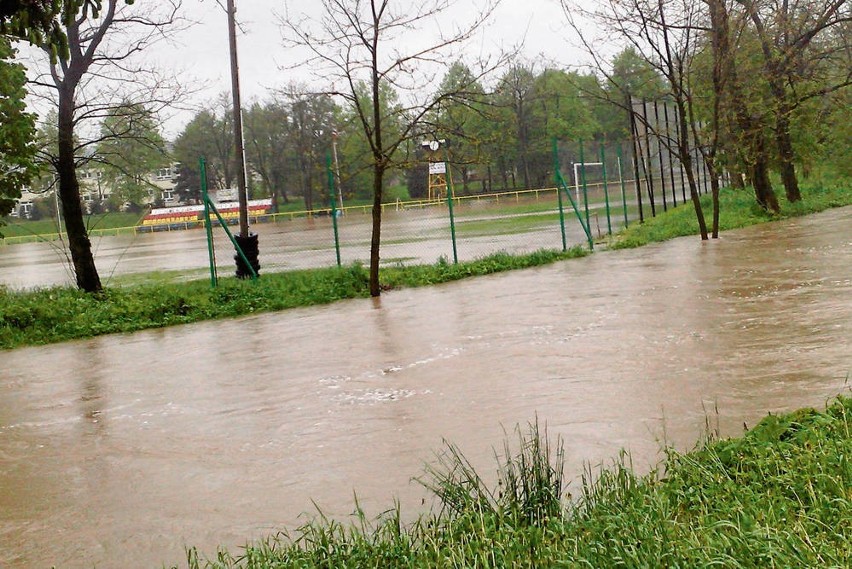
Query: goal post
[[585, 167]]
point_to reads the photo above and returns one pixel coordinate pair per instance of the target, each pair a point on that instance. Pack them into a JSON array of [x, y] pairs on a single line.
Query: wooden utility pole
[[246, 258], [238, 122]]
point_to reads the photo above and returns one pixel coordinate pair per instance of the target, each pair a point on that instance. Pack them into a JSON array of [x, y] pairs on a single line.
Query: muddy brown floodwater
[[118, 451]]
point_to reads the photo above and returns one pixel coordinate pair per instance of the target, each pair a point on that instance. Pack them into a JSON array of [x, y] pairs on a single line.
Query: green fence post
[[621, 178], [556, 178], [606, 190], [585, 195], [208, 226], [450, 205], [332, 200]]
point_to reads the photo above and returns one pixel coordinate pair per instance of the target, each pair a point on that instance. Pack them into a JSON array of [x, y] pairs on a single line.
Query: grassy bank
[[58, 314], [777, 497], [737, 209]]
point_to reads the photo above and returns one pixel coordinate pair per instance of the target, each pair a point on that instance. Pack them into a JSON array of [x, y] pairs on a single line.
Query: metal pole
[[559, 193], [606, 190], [634, 134], [238, 121], [585, 191], [207, 225], [649, 171], [669, 146], [621, 179], [450, 205], [334, 136], [59, 210], [333, 208], [660, 154]]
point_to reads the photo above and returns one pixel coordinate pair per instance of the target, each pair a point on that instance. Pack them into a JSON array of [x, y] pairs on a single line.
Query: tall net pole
[[246, 243], [238, 121]]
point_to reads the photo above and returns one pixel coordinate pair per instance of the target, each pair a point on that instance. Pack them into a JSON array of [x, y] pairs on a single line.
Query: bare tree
[[97, 77], [364, 47], [664, 34], [720, 45]]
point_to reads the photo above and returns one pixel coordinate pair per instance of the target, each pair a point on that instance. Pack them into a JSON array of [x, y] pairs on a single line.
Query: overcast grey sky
[[202, 50]]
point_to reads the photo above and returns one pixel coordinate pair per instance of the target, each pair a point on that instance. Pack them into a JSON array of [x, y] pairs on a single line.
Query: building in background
[[95, 192]]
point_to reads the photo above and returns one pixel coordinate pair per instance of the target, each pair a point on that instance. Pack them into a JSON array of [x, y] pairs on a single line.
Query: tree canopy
[[17, 131], [43, 22], [131, 148]]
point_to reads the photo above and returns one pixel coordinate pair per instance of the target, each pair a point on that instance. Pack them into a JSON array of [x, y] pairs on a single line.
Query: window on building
[[165, 174]]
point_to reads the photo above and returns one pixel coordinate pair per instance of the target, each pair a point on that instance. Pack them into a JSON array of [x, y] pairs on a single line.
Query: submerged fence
[[598, 188]]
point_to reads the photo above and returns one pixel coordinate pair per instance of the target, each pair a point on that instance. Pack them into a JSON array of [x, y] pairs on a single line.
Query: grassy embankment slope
[[780, 496], [737, 209], [59, 314]]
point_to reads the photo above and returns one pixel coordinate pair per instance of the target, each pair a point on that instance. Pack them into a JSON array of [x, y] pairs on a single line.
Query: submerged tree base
[[777, 497]]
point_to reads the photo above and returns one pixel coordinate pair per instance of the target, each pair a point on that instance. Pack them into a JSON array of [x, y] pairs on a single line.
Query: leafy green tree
[[838, 136], [131, 148], [208, 135], [356, 158], [537, 108], [188, 184], [516, 93], [563, 110], [461, 119], [17, 130], [100, 69], [269, 147], [633, 74], [312, 124], [789, 36], [44, 22]]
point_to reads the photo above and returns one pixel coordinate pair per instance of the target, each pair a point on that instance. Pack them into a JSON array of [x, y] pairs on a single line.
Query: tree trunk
[[69, 196], [763, 191], [272, 193], [280, 189], [686, 161], [786, 155], [309, 189], [776, 68], [376, 237], [714, 192], [304, 171], [737, 179], [754, 151]]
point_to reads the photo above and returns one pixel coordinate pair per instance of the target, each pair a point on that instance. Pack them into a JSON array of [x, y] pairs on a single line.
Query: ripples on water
[[120, 450]]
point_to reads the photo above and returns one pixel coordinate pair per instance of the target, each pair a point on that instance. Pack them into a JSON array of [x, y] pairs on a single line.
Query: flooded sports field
[[121, 450]]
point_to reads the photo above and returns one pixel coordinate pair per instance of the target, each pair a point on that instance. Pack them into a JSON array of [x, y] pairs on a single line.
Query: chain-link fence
[[598, 188], [591, 189]]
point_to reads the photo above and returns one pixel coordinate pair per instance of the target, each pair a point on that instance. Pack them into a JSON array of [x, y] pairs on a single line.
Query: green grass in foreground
[[780, 496], [737, 209], [58, 314]]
